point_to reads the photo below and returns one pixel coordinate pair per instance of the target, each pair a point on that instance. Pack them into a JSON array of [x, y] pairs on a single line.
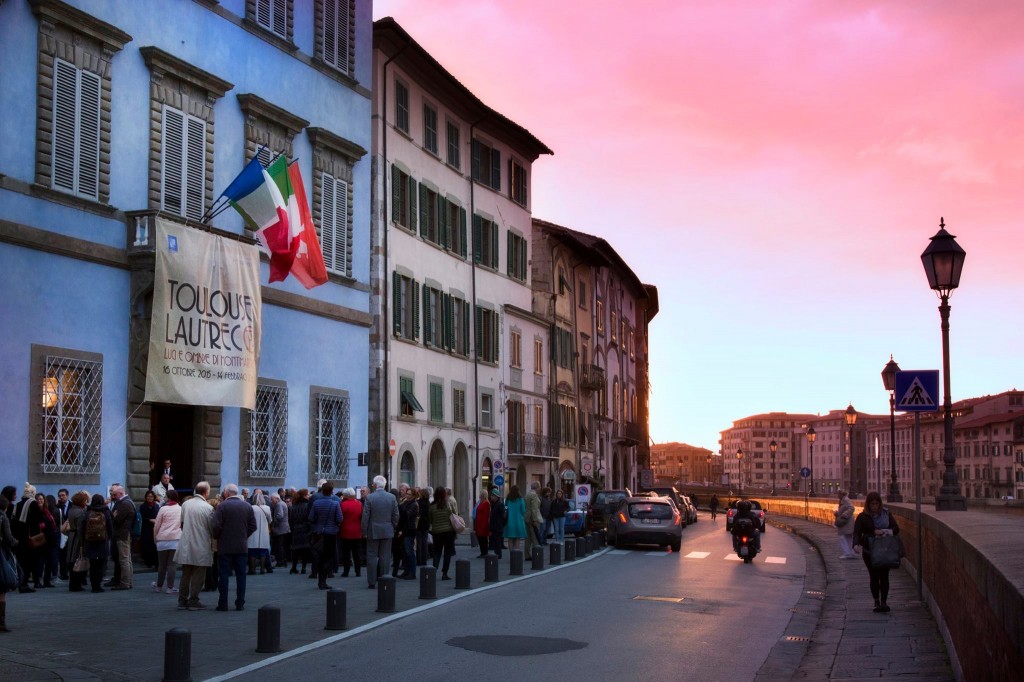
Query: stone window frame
[[89, 44], [316, 393], [250, 18], [319, 13], [268, 125], [335, 156], [177, 84], [39, 354], [245, 477]]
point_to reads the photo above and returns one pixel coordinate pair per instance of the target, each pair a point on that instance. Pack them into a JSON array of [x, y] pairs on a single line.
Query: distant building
[[685, 464]]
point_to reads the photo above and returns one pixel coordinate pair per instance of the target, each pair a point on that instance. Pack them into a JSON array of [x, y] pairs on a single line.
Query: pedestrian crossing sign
[[917, 390]]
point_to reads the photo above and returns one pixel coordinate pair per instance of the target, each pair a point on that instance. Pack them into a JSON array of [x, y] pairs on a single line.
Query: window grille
[[268, 433], [332, 435], [72, 401]]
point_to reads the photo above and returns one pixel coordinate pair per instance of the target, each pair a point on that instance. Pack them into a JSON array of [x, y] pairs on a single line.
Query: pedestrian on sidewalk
[[149, 508], [442, 530], [8, 542], [281, 532], [49, 558], [325, 519], [123, 517], [298, 520], [166, 535], [498, 516], [351, 533], [195, 547], [545, 513], [533, 518], [482, 523], [25, 522], [379, 520], [423, 527], [408, 521], [75, 544], [98, 531], [233, 523], [259, 540], [714, 506], [875, 520], [515, 523], [559, 508], [844, 525]]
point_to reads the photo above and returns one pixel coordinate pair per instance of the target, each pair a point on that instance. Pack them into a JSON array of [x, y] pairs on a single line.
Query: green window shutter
[[462, 232], [474, 147], [522, 260], [424, 206], [396, 299], [396, 195], [410, 210], [415, 296], [494, 245], [465, 326], [509, 255], [478, 339], [442, 222], [495, 353], [446, 315], [495, 169], [477, 235], [428, 337]]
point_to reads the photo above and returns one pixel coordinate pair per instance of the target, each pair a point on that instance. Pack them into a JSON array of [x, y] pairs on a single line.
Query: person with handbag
[[78, 564], [97, 529], [441, 528], [873, 524], [10, 566], [844, 525], [25, 527], [49, 555], [351, 533]]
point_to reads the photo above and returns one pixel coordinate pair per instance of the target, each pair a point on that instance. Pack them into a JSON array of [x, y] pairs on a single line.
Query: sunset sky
[[775, 169]]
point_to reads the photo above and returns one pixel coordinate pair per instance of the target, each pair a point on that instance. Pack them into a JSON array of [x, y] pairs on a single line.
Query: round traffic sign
[[499, 480], [587, 467], [583, 491], [805, 472], [392, 447], [498, 465]]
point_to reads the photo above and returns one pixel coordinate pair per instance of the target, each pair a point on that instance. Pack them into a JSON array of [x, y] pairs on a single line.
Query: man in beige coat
[[195, 548], [533, 519]]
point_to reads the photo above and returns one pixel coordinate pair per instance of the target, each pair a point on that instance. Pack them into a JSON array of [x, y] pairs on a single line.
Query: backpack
[[743, 527], [95, 527], [137, 525]]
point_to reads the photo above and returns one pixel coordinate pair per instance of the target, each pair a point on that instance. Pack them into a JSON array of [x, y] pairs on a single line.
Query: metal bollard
[[537, 558], [428, 582], [177, 655], [336, 604], [570, 550], [462, 567], [491, 569], [385, 594], [555, 554], [268, 630], [580, 548], [515, 562], [588, 544]]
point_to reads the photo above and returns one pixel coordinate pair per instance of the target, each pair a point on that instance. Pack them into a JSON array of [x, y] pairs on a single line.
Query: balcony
[[532, 445], [591, 377], [628, 433]]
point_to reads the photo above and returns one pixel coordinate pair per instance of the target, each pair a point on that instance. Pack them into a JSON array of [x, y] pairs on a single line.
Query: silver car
[[646, 521]]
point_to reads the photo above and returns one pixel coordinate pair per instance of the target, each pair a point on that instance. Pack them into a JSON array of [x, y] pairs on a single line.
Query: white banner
[[204, 341]]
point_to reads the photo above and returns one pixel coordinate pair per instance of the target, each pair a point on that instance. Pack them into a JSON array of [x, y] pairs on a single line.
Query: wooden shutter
[[494, 246], [263, 13], [410, 210], [172, 161], [462, 232], [509, 254], [428, 326], [442, 222], [396, 195], [195, 172], [328, 224], [415, 296], [281, 18], [465, 327], [65, 125], [336, 21], [89, 135], [446, 322], [495, 343], [424, 210], [495, 172], [340, 257], [477, 232], [479, 333], [396, 299], [474, 154]]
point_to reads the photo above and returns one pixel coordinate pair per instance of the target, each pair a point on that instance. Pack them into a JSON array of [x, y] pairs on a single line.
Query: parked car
[[602, 505], [646, 521], [691, 509], [668, 491], [755, 507], [575, 519], [683, 513]]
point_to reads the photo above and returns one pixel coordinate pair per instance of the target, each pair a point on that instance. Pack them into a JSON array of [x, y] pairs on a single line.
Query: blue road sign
[[499, 480], [805, 472], [917, 390]]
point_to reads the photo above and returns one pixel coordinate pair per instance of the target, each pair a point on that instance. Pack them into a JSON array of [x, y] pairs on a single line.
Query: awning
[[408, 397]]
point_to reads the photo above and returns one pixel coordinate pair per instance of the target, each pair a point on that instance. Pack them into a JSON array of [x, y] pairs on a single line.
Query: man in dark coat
[[497, 522], [233, 523]]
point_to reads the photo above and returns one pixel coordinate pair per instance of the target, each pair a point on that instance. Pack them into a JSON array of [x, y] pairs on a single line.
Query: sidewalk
[[119, 635], [835, 635]]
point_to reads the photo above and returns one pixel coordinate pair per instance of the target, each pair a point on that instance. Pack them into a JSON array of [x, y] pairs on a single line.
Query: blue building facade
[[115, 113]]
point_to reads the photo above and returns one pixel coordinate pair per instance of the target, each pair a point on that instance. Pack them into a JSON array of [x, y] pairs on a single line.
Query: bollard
[[602, 538], [537, 558], [491, 569], [555, 554], [268, 630], [515, 562], [428, 582], [177, 655], [385, 594], [462, 567], [580, 548], [588, 544], [570, 550], [336, 604]]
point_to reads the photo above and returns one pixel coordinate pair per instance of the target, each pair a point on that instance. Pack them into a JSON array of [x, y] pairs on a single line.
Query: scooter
[[744, 540]]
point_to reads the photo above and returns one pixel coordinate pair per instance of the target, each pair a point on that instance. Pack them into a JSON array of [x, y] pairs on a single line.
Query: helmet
[[743, 506]]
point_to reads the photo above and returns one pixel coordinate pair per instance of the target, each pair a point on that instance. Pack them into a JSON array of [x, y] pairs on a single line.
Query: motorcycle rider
[[744, 510]]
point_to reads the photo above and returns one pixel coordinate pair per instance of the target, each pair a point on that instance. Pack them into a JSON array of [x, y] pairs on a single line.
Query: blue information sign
[[805, 472], [917, 390], [499, 480]]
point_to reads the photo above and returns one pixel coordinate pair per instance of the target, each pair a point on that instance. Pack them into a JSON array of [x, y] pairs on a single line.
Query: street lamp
[[851, 419], [889, 380], [943, 262], [739, 466], [812, 435], [709, 479], [773, 446]]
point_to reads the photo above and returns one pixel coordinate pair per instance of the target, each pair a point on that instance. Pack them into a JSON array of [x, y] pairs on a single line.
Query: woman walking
[[873, 522], [49, 554], [166, 535], [299, 523], [482, 523], [441, 528], [97, 528], [259, 541], [351, 531], [515, 527], [8, 542], [559, 508], [844, 525], [76, 545], [409, 516], [147, 544]]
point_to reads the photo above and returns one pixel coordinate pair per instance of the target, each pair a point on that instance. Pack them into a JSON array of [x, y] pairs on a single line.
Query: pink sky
[[775, 169]]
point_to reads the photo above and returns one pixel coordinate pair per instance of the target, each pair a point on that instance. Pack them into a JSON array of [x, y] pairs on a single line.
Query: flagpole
[[210, 214]]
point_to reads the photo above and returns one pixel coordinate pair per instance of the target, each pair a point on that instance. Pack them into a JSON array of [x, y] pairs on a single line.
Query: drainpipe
[[476, 351], [576, 367]]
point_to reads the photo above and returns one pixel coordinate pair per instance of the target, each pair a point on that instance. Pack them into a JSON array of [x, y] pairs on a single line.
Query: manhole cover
[[515, 645], [671, 600]]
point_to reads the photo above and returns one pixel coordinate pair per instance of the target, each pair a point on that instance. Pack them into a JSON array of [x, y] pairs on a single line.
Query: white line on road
[[775, 560], [698, 555]]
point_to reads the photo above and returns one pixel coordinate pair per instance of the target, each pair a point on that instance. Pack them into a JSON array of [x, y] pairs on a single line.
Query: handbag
[[886, 551], [316, 542], [841, 521], [10, 572], [458, 523], [36, 541], [81, 564]]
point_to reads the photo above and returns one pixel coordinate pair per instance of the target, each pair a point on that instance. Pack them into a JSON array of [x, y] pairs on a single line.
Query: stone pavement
[[835, 635]]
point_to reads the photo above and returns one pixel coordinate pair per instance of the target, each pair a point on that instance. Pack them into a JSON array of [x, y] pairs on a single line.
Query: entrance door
[[172, 436]]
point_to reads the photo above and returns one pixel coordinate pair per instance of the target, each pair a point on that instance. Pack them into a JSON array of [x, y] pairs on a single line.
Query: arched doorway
[[437, 473], [485, 473], [460, 475], [566, 477], [407, 469]]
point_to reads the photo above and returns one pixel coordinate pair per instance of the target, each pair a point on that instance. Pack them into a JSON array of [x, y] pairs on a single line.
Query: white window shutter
[[172, 162], [195, 169], [280, 26], [341, 229], [65, 123], [89, 136], [263, 13], [328, 221]]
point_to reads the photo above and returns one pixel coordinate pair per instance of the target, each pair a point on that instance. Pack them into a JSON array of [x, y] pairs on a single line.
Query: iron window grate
[[332, 432], [72, 401], [268, 433]]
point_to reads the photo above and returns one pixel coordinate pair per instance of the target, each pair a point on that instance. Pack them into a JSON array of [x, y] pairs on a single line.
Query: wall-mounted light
[[49, 392]]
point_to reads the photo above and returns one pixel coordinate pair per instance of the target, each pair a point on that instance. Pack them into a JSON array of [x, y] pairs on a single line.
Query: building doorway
[[172, 437]]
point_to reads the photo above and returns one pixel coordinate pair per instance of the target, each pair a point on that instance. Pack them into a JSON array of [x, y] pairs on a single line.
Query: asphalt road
[[629, 614]]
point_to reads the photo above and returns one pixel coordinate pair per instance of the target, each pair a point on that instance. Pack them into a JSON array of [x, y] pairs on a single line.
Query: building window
[[632, 347], [485, 242], [454, 150], [405, 314], [599, 313], [403, 199], [402, 107], [183, 164], [486, 334], [516, 257], [581, 286], [459, 405], [76, 130], [71, 402], [434, 332], [273, 15], [486, 165], [538, 356], [614, 326], [268, 433], [459, 326], [517, 182], [436, 402], [433, 216], [516, 419], [486, 409], [563, 425], [407, 402], [334, 34], [562, 348], [454, 226], [335, 228], [430, 129], [515, 349], [269, 129], [538, 419], [331, 431]]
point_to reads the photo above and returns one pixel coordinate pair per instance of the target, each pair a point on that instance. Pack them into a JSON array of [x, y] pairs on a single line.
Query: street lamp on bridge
[[772, 447], [739, 467], [812, 435], [889, 380], [851, 419]]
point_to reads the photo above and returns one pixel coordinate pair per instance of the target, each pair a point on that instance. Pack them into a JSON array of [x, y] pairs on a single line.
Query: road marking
[[733, 557], [657, 553], [775, 560], [618, 552], [698, 555]]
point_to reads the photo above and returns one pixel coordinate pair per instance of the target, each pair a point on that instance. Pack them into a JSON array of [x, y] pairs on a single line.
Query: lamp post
[[739, 467], [889, 380], [943, 262], [812, 435], [773, 446], [851, 419], [709, 479]]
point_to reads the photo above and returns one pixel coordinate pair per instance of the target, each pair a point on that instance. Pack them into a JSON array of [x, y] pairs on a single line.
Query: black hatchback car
[[602, 506]]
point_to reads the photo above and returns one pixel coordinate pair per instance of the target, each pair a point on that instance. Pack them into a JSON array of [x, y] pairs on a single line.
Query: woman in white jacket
[[259, 541], [166, 534]]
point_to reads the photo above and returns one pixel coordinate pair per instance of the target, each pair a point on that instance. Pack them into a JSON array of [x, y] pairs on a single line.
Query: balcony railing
[[531, 445], [591, 377]]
